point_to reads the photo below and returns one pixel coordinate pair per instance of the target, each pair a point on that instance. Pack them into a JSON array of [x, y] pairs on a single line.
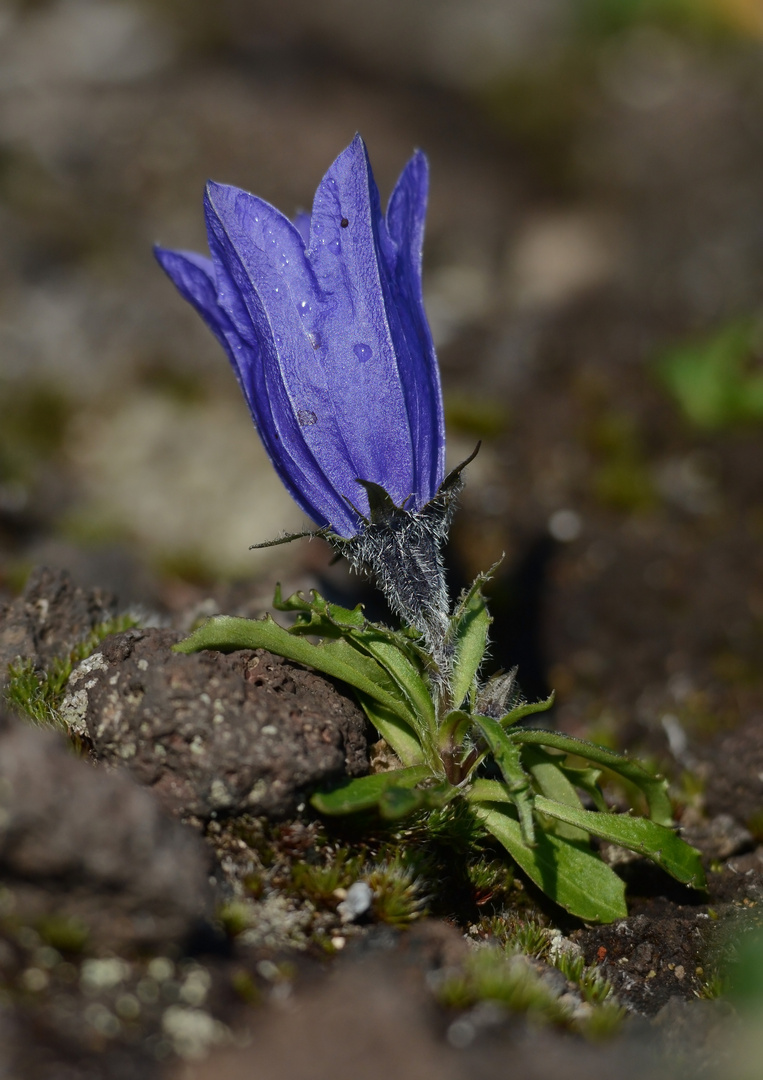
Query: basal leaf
[[338, 658], [400, 802], [365, 792], [566, 870], [527, 709], [409, 680], [554, 784], [320, 608], [655, 841], [454, 728], [653, 787], [394, 730], [469, 627], [517, 783]]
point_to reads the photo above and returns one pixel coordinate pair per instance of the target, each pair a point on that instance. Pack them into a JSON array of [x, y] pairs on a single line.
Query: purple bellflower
[[323, 322]]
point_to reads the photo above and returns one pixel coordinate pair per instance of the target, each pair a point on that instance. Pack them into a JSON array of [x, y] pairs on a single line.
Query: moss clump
[[37, 695], [517, 976]]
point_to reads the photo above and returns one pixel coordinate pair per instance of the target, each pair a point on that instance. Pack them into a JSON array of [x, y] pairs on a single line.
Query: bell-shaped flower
[[324, 324]]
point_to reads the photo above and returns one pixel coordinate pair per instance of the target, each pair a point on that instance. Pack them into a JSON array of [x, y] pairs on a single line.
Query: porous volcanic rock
[[79, 843], [49, 618], [213, 733]]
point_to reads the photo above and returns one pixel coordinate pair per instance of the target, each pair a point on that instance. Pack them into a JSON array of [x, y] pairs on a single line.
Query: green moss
[[399, 892], [68, 935], [37, 695], [234, 917], [319, 882], [490, 975]]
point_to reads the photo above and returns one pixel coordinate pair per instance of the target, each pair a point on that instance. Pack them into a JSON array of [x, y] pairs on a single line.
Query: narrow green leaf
[[527, 709], [320, 607], [365, 792], [338, 658], [566, 870], [507, 756], [454, 728], [408, 679], [655, 841], [586, 780], [653, 787], [468, 634], [554, 784], [400, 802], [394, 730]]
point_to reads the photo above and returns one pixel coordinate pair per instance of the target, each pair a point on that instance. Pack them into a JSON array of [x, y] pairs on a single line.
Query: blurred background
[[593, 276]]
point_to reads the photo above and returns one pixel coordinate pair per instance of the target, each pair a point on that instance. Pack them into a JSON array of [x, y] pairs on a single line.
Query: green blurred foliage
[[717, 380], [697, 18], [33, 422]]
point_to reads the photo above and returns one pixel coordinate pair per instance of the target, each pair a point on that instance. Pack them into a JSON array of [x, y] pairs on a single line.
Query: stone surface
[[215, 734], [78, 843], [49, 618]]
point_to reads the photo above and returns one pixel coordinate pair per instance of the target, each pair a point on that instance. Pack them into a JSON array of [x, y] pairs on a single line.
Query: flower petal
[[406, 214], [266, 286], [379, 377], [302, 225]]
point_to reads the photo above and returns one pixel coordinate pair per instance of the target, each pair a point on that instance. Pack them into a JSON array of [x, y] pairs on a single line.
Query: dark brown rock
[[49, 618], [79, 843], [214, 733]]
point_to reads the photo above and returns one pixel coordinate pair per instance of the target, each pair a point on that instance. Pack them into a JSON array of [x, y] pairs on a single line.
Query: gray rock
[[49, 618], [80, 843], [214, 733]]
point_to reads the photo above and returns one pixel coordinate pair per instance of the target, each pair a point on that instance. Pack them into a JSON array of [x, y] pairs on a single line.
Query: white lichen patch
[[73, 712], [276, 923], [73, 709], [219, 796], [103, 974], [192, 1031], [258, 793]]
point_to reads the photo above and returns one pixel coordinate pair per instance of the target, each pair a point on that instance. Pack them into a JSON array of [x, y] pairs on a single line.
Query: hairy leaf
[[468, 636], [338, 658], [365, 792], [566, 870], [653, 787], [394, 730], [655, 841]]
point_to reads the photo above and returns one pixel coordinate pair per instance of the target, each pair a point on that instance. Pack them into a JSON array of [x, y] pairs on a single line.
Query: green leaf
[[468, 634], [586, 780], [653, 787], [527, 709], [398, 655], [655, 841], [394, 730], [365, 792], [400, 802], [319, 609], [517, 783], [338, 658], [566, 870], [454, 728], [554, 784], [409, 681]]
